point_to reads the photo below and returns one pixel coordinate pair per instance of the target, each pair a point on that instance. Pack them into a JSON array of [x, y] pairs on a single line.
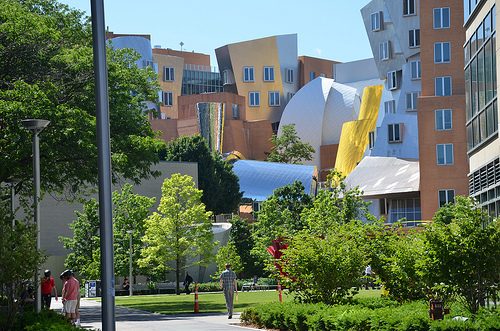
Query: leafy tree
[[335, 206], [288, 148], [220, 186], [129, 213], [326, 269], [181, 230], [46, 71], [227, 254], [241, 238], [19, 260], [464, 255]]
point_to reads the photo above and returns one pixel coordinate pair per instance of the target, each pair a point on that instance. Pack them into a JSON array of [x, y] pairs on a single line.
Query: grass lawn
[[208, 302]]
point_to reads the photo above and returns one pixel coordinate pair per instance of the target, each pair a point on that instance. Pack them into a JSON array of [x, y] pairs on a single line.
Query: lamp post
[[12, 182], [36, 126], [131, 291]]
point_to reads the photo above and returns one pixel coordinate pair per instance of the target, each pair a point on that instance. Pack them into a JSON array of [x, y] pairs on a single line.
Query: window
[[443, 119], [254, 99], [168, 74], [415, 70], [414, 38], [390, 107], [394, 132], [148, 63], [274, 98], [289, 75], [392, 80], [444, 154], [371, 139], [446, 196], [168, 99], [312, 75], [236, 111], [268, 74], [290, 95], [441, 18], [322, 75], [408, 7], [376, 20], [248, 74], [443, 86], [255, 209], [411, 101], [385, 50], [442, 52], [408, 210], [224, 77]]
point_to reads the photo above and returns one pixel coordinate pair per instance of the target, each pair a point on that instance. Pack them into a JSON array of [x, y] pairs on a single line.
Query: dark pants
[[186, 286], [46, 298]]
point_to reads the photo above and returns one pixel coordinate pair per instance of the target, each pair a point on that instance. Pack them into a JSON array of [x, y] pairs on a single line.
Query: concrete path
[[128, 319]]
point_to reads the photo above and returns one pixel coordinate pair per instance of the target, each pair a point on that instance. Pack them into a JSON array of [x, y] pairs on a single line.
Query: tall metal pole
[[131, 291], [104, 165]]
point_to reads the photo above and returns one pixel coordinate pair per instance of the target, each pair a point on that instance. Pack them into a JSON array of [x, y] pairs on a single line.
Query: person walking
[[187, 281], [48, 286], [70, 295], [228, 282]]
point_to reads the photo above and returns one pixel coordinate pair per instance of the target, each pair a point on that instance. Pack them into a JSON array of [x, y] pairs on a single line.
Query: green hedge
[[363, 314], [214, 286], [44, 321]]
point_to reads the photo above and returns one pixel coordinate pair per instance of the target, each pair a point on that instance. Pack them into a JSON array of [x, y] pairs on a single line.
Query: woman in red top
[[47, 285]]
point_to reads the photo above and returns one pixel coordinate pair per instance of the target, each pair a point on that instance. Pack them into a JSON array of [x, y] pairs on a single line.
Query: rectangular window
[[392, 80], [442, 52], [394, 132], [268, 74], [168, 74], [274, 98], [441, 18], [236, 111], [443, 119], [411, 101], [408, 7], [444, 154], [415, 70], [443, 86], [255, 209], [289, 75], [224, 77], [168, 99], [371, 139], [376, 21], [322, 75], [312, 75], [254, 99], [248, 74], [385, 50], [390, 107], [414, 38], [446, 196]]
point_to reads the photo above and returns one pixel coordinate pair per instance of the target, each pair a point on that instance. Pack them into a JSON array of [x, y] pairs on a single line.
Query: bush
[[44, 321]]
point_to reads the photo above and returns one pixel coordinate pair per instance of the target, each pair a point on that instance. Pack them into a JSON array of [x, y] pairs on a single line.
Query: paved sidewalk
[[128, 319]]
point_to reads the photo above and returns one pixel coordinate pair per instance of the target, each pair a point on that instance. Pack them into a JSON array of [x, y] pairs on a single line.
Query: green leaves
[[288, 148]]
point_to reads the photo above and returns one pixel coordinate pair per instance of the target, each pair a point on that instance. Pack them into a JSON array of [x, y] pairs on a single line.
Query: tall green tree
[[181, 230], [46, 71], [220, 186], [227, 254], [241, 238], [288, 148], [129, 212]]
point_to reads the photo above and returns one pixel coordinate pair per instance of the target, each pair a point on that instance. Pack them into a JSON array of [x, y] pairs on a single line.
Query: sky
[[327, 29]]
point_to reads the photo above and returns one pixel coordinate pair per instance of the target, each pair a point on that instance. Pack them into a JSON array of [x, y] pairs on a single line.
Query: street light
[[12, 182], [36, 126], [131, 291]]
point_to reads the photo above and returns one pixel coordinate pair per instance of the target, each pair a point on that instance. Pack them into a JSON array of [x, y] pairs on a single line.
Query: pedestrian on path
[[48, 286], [228, 282]]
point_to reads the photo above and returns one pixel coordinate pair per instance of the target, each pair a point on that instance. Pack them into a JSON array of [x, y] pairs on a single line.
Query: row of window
[[254, 99], [441, 17], [267, 74]]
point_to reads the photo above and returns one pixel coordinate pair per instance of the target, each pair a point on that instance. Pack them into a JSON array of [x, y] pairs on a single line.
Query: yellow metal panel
[[354, 136], [175, 86]]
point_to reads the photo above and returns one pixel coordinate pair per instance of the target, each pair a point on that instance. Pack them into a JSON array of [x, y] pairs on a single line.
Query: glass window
[[254, 99], [474, 87], [236, 111], [168, 99], [269, 74], [274, 98], [443, 86], [384, 51], [289, 75], [248, 74], [480, 35], [415, 70], [468, 105], [487, 25], [392, 80], [444, 154], [446, 196], [411, 101], [168, 74], [414, 38], [224, 77], [443, 119], [394, 132], [371, 139], [442, 52], [480, 79], [408, 7], [488, 71], [441, 18], [390, 107], [312, 75], [376, 21]]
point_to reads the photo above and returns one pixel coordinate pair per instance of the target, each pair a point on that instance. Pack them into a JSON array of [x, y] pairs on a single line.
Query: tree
[[46, 71], [129, 213], [19, 260], [181, 230], [337, 205], [241, 238], [220, 186], [464, 255], [227, 254], [288, 148], [279, 216]]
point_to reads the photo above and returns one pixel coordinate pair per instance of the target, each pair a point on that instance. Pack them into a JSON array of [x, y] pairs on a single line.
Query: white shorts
[[70, 306]]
